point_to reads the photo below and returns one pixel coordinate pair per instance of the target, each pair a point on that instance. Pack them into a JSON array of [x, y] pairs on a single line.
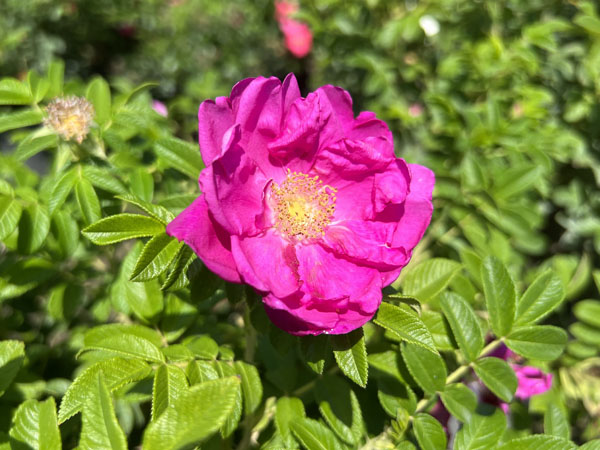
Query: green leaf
[[203, 347], [66, 230], [201, 371], [556, 423], [128, 341], [156, 257], [287, 411], [516, 180], [464, 324], [12, 354], [498, 376], [543, 295], [19, 119], [543, 342], [481, 432], [427, 368], [252, 389], [121, 227], [158, 212], [340, 408], [429, 432], [99, 425], [538, 442], [350, 354], [177, 277], [196, 414], [10, 212], [588, 23], [314, 435], [144, 299], [314, 351], [116, 373], [56, 72], [429, 278], [169, 383], [98, 93], [61, 189], [142, 184], [588, 311], [14, 92], [88, 202], [500, 295], [439, 329], [34, 226], [38, 86], [591, 445], [404, 322], [35, 425], [103, 178], [225, 369], [460, 401], [396, 397], [34, 144], [180, 155]]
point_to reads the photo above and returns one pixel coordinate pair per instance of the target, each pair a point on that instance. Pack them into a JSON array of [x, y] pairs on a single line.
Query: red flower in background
[[298, 38]]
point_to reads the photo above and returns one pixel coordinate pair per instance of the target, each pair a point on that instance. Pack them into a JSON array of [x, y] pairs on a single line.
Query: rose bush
[[305, 202]]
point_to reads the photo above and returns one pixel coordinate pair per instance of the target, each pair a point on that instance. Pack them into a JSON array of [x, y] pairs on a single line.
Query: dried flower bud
[[70, 117]]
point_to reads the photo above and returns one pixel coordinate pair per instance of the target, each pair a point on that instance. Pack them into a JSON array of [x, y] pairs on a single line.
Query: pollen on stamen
[[304, 206]]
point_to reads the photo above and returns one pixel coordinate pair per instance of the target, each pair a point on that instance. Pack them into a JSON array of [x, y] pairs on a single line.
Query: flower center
[[304, 206]]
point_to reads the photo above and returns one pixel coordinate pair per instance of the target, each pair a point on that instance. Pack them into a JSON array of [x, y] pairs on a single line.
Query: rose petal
[[207, 238], [329, 277], [414, 215], [214, 119], [267, 262], [234, 187], [298, 315], [367, 243]]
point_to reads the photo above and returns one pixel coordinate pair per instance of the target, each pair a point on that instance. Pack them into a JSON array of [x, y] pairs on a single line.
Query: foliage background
[[502, 103]]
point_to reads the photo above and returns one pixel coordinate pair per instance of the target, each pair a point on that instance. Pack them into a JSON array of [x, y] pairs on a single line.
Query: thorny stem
[[425, 403]]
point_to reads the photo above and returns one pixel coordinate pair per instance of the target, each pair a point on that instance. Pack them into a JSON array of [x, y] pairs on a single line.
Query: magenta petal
[[267, 262], [329, 277], [416, 211], [349, 159], [210, 242], [300, 315], [368, 243], [214, 119], [532, 381], [234, 188], [391, 185]]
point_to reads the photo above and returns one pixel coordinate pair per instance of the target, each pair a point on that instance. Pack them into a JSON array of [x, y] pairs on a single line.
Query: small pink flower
[[415, 110], [305, 202], [298, 37], [532, 381], [160, 108]]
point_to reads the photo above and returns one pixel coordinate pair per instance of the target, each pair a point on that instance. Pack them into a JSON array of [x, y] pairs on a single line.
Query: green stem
[[425, 403]]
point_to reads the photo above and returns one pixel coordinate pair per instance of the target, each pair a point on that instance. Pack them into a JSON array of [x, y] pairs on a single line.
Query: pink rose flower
[[298, 37], [160, 108], [305, 202], [532, 381]]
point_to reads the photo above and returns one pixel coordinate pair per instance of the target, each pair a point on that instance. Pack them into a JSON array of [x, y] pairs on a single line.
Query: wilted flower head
[[298, 37], [305, 202], [70, 117]]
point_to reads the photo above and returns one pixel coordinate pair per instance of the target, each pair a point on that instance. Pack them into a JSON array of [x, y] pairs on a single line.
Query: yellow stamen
[[303, 206]]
